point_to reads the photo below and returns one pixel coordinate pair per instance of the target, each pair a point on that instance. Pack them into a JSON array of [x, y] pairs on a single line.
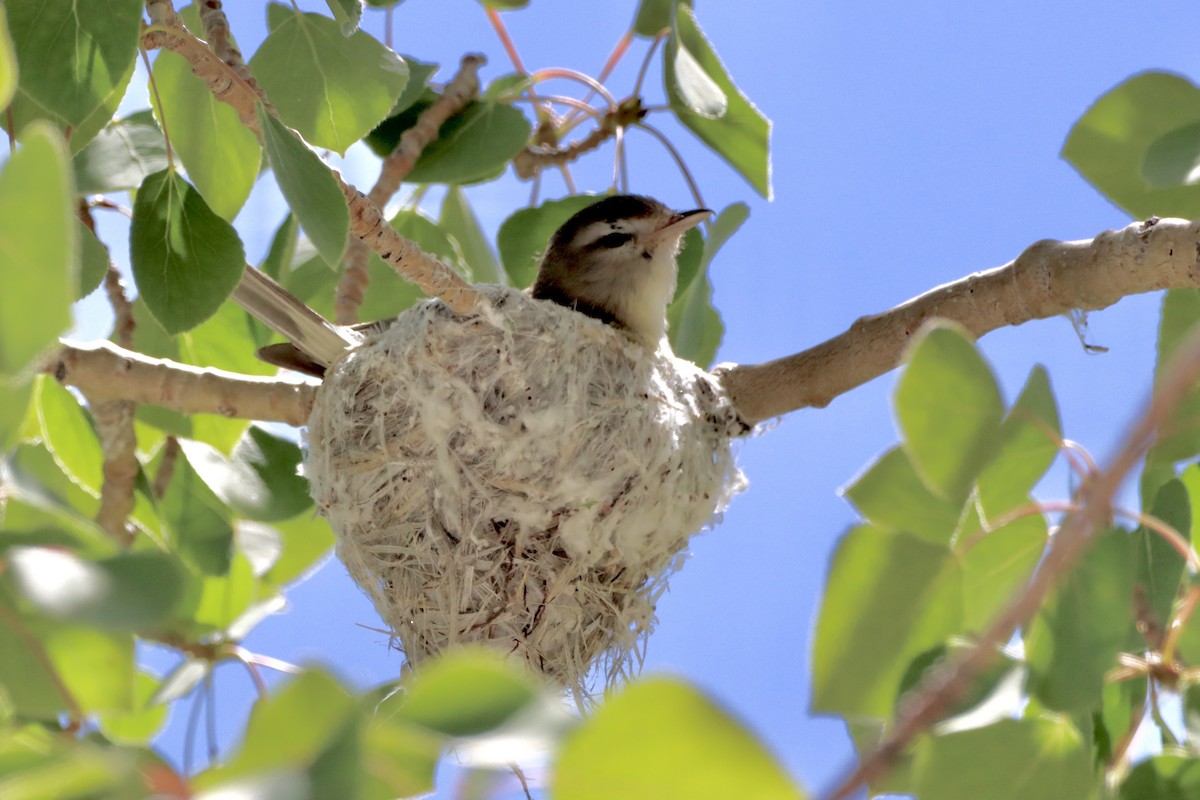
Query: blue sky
[[913, 143]]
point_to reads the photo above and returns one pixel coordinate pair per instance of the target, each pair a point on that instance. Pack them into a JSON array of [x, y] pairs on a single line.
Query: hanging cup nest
[[524, 477]]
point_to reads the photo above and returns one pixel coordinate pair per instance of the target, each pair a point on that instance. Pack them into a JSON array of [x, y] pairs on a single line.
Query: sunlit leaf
[[1028, 443], [347, 12], [186, 259], [38, 248], [948, 407], [860, 652], [330, 87], [121, 155], [661, 738], [74, 63], [891, 495], [1111, 144], [695, 327], [465, 692], [706, 100], [140, 724], [1027, 759], [8, 64], [309, 187]]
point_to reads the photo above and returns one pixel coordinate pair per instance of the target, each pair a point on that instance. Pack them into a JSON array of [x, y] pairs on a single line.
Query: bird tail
[[282, 312]]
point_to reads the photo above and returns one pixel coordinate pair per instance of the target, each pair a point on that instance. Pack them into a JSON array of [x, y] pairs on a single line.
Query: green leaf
[[348, 13], [465, 692], [261, 480], [134, 591], [199, 523], [398, 759], [221, 155], [307, 540], [892, 496], [1028, 444], [14, 407], [1159, 565], [706, 100], [460, 221], [331, 88], [504, 5], [93, 261], [1111, 144], [419, 73], [283, 248], [67, 432], [38, 248], [997, 565], [309, 188], [74, 61], [948, 408], [661, 738], [1075, 638], [695, 326], [1164, 777], [121, 155], [1172, 159], [1028, 759], [523, 236], [310, 725], [142, 722], [472, 146], [186, 259], [653, 17], [8, 64], [875, 618], [1181, 436]]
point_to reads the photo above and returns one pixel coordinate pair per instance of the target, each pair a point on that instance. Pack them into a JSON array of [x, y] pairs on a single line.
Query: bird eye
[[612, 240]]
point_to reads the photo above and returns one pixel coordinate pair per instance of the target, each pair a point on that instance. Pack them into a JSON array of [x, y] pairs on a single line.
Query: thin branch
[[458, 94], [1048, 279], [679, 162], [104, 371], [926, 704], [614, 58], [220, 41]]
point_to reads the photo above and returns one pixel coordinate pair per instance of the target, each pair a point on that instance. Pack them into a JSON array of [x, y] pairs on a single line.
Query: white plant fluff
[[524, 477]]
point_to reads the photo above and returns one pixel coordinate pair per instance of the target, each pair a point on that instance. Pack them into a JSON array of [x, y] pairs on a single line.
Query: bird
[[614, 261]]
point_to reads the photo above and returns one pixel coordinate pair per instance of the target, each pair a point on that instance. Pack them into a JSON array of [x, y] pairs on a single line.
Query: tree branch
[[1049, 278], [459, 92], [104, 372]]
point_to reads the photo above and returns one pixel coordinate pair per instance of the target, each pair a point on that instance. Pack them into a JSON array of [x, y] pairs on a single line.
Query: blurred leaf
[[14, 406], [1180, 437], [1121, 712], [347, 12], [338, 90], [307, 540], [875, 618], [141, 723], [309, 188], [992, 686], [68, 435], [465, 692], [695, 326], [891, 495], [1173, 158], [1160, 566], [504, 5], [268, 485], [310, 725], [220, 600], [460, 221], [705, 99], [1111, 143], [653, 17], [74, 63], [1164, 777], [283, 248], [38, 248], [39, 764], [46, 507], [1075, 638], [122, 155], [186, 259], [93, 261], [198, 522], [181, 681], [96, 666], [948, 408], [661, 738], [1028, 759], [472, 146], [1028, 444], [8, 64], [132, 591], [399, 759], [506, 87], [997, 565], [523, 236]]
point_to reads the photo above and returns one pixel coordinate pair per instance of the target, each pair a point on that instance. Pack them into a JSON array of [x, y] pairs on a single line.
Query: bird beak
[[679, 223]]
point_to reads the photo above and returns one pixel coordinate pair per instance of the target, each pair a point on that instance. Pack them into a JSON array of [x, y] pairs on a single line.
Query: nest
[[525, 477]]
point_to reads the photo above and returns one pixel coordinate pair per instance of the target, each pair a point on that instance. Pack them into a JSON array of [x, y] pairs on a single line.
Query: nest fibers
[[525, 477]]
